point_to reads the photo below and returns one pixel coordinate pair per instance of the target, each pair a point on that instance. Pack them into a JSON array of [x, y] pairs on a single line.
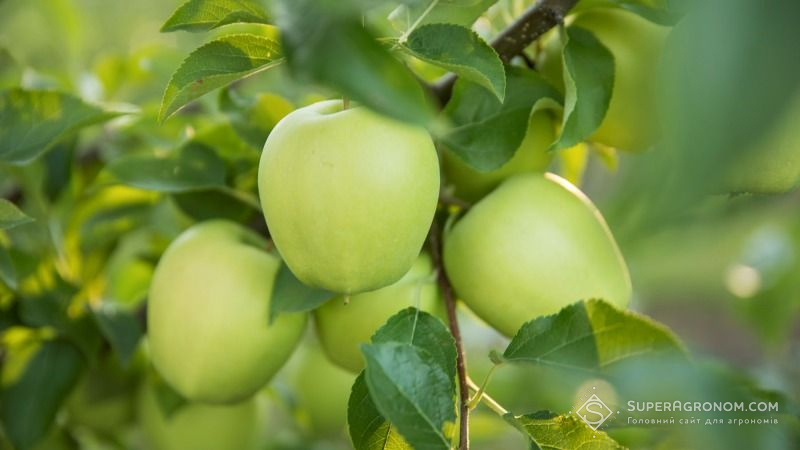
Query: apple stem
[[346, 299], [435, 241], [345, 103], [489, 401], [482, 390]]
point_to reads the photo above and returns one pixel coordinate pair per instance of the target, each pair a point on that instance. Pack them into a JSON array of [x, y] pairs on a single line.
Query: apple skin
[[773, 165], [631, 122], [531, 156], [207, 314], [348, 195], [199, 426], [531, 247], [342, 328], [321, 390]]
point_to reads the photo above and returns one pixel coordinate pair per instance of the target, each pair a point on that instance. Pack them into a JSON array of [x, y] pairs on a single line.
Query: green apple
[[207, 314], [343, 326], [199, 426], [636, 43], [531, 156], [321, 390], [531, 247], [348, 195], [773, 165]]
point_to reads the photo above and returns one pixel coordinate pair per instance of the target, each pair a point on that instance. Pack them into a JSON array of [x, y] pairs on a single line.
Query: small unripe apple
[[531, 156], [348, 195], [531, 247], [773, 165], [199, 426], [343, 326], [208, 326], [321, 390], [631, 120]]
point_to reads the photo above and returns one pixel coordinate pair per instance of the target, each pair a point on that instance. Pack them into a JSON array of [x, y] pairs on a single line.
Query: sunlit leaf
[[216, 64], [204, 15]]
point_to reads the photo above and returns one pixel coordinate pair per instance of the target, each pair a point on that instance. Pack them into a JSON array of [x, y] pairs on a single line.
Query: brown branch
[[536, 21], [435, 241]]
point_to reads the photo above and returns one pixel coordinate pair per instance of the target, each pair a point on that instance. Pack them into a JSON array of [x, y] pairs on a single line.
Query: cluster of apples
[[349, 197]]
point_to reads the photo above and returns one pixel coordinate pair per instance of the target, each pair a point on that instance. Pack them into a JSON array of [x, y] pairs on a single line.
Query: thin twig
[[435, 241], [536, 21]]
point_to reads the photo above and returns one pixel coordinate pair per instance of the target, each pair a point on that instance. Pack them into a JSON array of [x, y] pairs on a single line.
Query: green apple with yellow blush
[[208, 328], [348, 195], [531, 247], [343, 325]]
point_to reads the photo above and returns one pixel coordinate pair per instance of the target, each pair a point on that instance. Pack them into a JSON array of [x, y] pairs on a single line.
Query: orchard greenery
[[315, 207]]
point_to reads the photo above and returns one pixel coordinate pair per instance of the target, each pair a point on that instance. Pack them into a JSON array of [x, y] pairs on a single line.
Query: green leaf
[[8, 273], [195, 167], [120, 327], [459, 12], [216, 64], [487, 132], [462, 51], [410, 375], [11, 216], [331, 47], [548, 431], [32, 121], [369, 430], [410, 390], [290, 295], [590, 336], [422, 330], [588, 81], [205, 15], [32, 398]]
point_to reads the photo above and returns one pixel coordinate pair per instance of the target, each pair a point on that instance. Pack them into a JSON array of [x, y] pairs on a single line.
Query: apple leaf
[[290, 295], [486, 132], [459, 50], [590, 336], [369, 430], [195, 167], [549, 431], [216, 64], [33, 396], [588, 81], [357, 66], [33, 121], [422, 330], [205, 15], [459, 12], [120, 327], [11, 216], [8, 273], [410, 375]]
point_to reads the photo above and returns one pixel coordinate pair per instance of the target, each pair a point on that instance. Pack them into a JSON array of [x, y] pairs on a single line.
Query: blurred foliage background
[[721, 269]]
